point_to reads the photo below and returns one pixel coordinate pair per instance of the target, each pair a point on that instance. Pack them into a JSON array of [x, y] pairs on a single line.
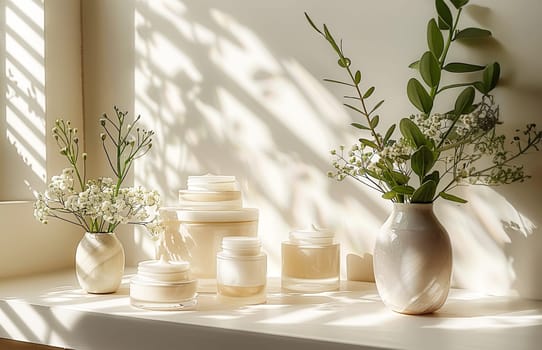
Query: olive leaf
[[435, 41], [412, 133], [490, 78], [360, 126], [312, 24], [422, 161], [389, 195], [415, 65], [418, 96], [390, 131], [339, 82], [424, 193], [435, 176], [369, 92], [456, 67], [368, 143], [459, 3], [472, 33], [399, 177], [464, 101], [374, 121], [444, 13], [430, 69], [452, 198], [357, 78], [376, 107], [403, 189]]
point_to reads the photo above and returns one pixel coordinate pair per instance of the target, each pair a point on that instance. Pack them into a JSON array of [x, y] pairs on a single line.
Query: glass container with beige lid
[[310, 261], [241, 274], [209, 209]]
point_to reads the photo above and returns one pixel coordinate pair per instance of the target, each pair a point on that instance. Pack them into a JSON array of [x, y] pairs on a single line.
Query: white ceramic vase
[[413, 260], [99, 263]]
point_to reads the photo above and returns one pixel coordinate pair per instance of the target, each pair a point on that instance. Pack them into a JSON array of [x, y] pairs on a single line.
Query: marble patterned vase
[[413, 260], [99, 262]]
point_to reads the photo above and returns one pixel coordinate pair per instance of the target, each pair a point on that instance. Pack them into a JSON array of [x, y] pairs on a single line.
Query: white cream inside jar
[[163, 285]]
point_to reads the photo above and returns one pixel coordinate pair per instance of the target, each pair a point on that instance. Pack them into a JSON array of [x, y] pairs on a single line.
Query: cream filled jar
[[209, 210], [241, 274], [310, 261], [163, 285]]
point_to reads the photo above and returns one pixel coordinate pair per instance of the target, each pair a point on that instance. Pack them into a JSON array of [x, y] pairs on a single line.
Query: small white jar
[[241, 271], [163, 285], [310, 261]]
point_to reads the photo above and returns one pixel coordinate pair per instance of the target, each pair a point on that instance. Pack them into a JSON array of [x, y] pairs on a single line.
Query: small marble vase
[[99, 262], [413, 260]]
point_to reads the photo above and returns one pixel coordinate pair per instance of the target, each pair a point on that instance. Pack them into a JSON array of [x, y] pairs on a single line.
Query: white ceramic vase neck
[[99, 262], [413, 260]]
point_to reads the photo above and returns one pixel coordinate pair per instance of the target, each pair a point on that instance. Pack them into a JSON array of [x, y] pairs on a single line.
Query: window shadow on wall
[[22, 101]]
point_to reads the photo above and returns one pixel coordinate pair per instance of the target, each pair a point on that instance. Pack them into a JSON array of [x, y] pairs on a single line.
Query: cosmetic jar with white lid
[[241, 274], [163, 285], [310, 261], [211, 192]]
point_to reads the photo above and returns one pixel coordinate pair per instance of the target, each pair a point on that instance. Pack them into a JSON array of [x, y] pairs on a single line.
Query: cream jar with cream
[[241, 274], [209, 210], [163, 285], [310, 261]]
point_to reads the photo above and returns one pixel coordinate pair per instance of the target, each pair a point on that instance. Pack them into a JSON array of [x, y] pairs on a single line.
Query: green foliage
[[434, 152], [435, 40], [472, 33], [418, 96]]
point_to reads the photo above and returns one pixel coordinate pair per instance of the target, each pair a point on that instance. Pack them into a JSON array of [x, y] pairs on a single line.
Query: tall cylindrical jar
[[241, 270], [99, 262], [413, 260], [310, 261]]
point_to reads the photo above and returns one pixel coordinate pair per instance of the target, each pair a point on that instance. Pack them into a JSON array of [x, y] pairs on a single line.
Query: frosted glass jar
[[310, 261], [202, 232], [163, 285], [241, 274]]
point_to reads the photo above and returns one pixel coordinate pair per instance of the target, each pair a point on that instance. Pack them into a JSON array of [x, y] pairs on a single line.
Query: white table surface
[[51, 309]]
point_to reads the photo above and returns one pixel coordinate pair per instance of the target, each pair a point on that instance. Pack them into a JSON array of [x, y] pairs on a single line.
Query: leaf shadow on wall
[[228, 103], [229, 97]]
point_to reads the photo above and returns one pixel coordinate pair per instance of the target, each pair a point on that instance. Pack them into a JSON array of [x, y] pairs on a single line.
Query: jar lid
[[211, 182], [163, 266], [181, 214], [316, 235], [241, 242], [210, 200]]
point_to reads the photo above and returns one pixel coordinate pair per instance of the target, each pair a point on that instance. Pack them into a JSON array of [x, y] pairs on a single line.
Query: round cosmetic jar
[[163, 285], [241, 271], [310, 261], [211, 192], [202, 232]]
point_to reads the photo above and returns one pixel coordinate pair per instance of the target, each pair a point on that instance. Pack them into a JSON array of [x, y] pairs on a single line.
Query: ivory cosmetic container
[[163, 285], [241, 271], [209, 209], [310, 261]]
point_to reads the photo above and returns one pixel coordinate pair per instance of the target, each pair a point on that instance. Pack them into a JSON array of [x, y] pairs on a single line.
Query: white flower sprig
[[100, 205]]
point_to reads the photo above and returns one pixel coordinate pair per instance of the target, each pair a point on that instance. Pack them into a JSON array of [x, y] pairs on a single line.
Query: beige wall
[[234, 87]]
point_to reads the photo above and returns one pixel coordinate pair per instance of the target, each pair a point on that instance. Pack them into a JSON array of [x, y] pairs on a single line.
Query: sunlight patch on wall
[[24, 99]]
